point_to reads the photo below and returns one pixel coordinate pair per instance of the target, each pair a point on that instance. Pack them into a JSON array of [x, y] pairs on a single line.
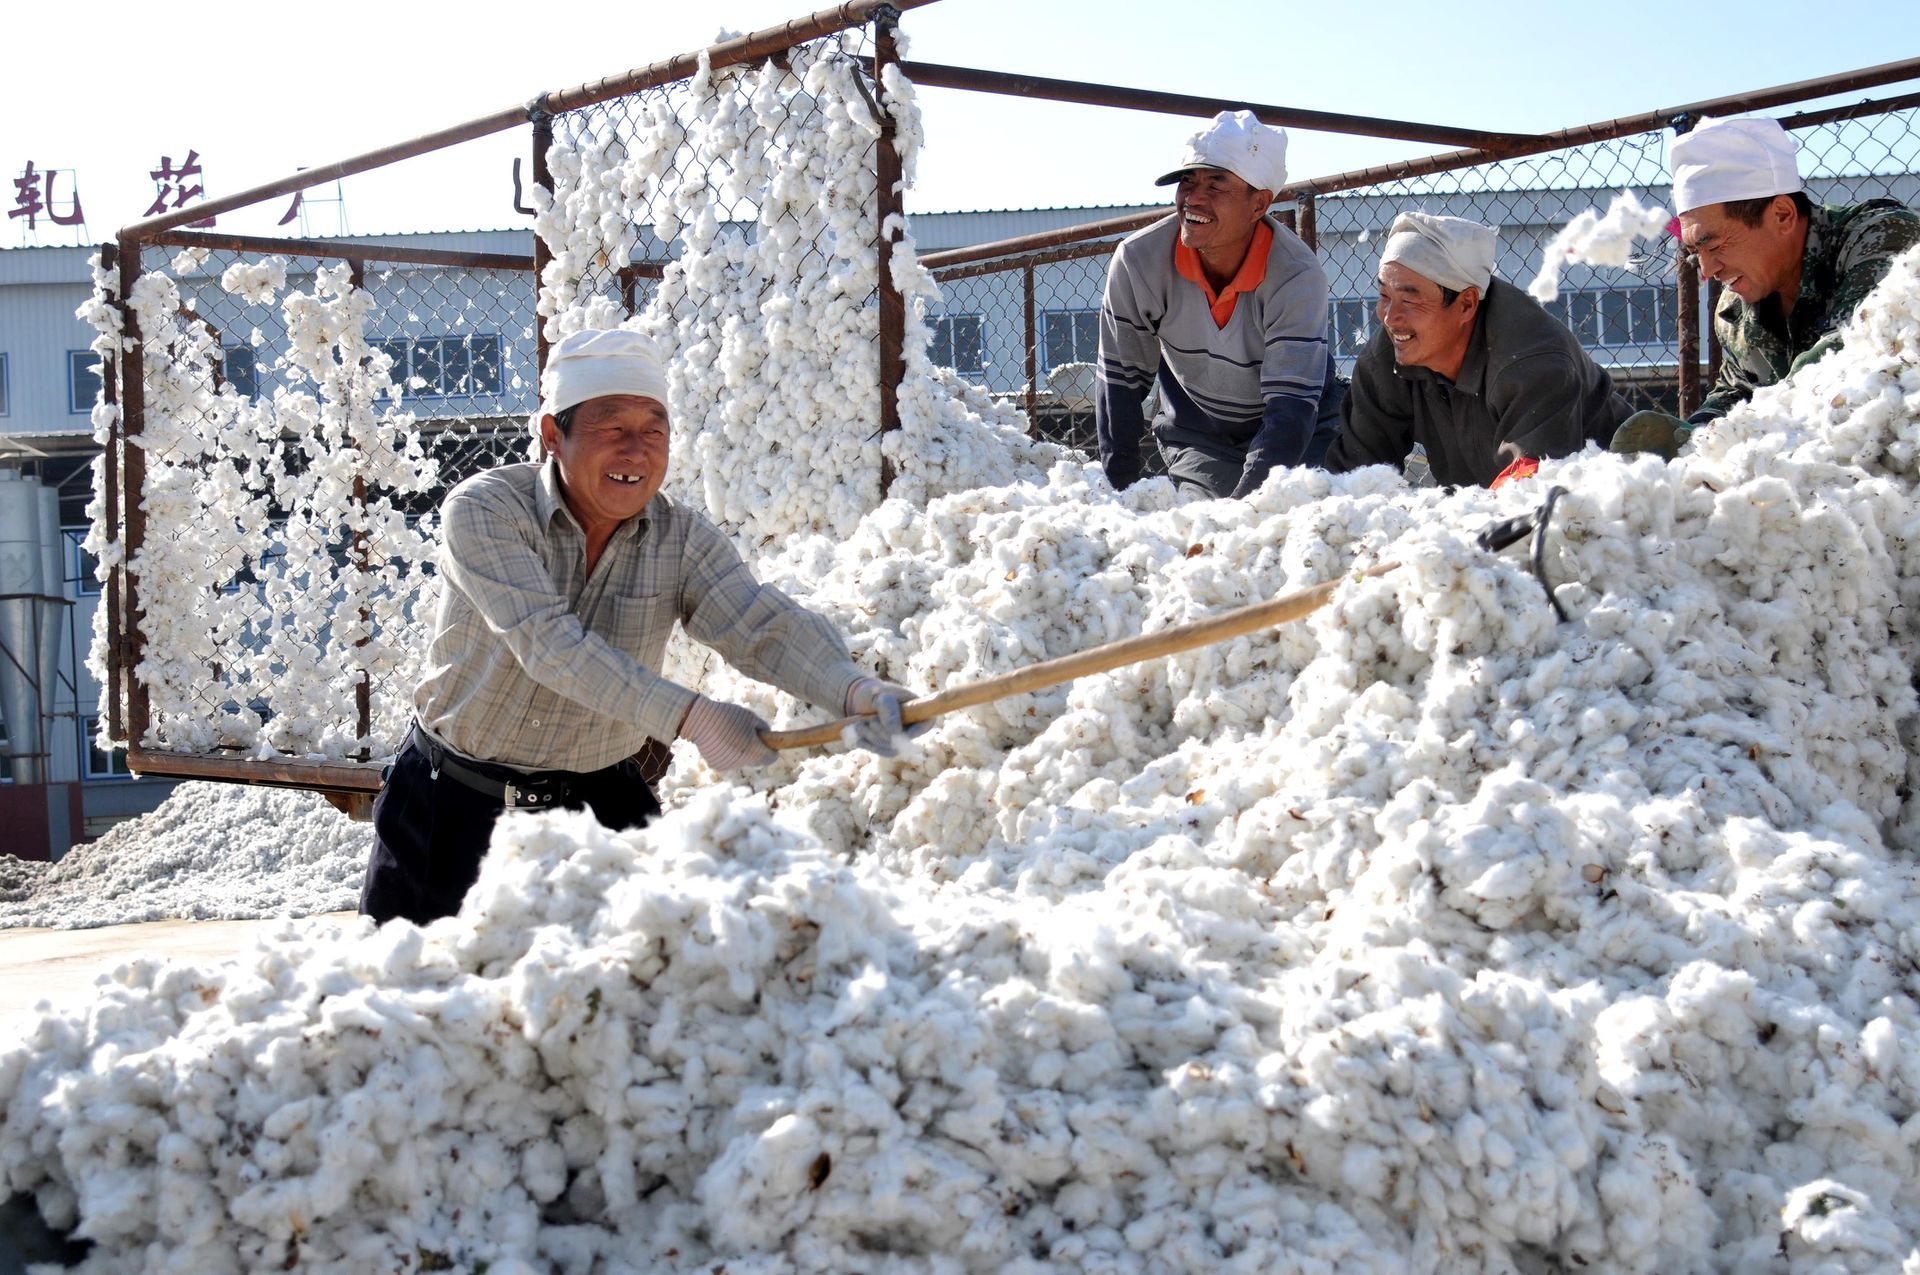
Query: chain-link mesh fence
[[301, 412], [301, 419], [301, 415], [1629, 317], [700, 155], [1030, 333]]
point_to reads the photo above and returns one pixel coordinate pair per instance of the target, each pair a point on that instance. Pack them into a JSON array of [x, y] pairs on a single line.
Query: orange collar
[[1253, 272]]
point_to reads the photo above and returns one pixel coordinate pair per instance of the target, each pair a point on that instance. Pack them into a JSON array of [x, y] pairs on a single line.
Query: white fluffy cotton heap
[[208, 852], [1426, 934]]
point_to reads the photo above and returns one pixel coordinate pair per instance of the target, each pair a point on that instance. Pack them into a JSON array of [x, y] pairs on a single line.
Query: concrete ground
[[59, 967]]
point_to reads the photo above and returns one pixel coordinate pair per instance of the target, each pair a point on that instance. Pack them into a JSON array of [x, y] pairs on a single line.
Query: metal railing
[[297, 408]]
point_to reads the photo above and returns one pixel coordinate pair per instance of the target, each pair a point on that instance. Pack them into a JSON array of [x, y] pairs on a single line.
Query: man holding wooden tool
[[560, 583]]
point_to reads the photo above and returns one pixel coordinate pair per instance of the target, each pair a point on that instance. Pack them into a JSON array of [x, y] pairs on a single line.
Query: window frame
[[1074, 315], [85, 583], [74, 409], [1368, 309], [952, 322], [253, 370], [6, 385], [406, 351], [89, 728]]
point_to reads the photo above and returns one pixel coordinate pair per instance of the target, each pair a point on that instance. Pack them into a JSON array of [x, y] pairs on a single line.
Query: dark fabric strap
[[516, 790]]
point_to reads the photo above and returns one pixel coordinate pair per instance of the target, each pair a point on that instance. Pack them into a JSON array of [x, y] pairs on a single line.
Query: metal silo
[[21, 568]]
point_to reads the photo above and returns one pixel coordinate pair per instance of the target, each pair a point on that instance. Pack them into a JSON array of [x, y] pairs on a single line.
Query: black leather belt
[[516, 790]]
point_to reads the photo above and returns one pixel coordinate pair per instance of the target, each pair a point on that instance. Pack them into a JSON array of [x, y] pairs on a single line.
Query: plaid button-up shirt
[[536, 664]]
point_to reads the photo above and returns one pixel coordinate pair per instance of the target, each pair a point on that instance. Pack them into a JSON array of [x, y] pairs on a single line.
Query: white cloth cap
[[1732, 159], [595, 364], [1451, 251], [1237, 141]]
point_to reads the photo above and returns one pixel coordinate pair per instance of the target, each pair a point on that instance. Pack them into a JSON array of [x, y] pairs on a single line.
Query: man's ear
[[549, 435], [1469, 300], [1782, 213]]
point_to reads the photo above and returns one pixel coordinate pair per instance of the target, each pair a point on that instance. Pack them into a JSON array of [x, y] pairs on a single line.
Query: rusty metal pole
[[542, 255], [110, 486], [360, 556], [1309, 229], [1033, 351], [888, 215], [1687, 316], [133, 485]]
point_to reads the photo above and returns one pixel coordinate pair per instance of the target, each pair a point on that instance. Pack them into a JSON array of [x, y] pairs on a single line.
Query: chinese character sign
[[172, 183], [33, 198]]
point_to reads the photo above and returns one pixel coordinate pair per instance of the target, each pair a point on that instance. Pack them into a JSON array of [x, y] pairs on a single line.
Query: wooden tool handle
[[1099, 659]]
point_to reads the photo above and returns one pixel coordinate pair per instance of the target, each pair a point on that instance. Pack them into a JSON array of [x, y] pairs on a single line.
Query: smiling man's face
[[612, 461], [1752, 262], [1425, 329], [1218, 212]]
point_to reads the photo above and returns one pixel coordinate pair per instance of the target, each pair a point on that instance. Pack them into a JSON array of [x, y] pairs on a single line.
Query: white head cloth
[[1732, 159], [1237, 141], [594, 364], [1452, 251]]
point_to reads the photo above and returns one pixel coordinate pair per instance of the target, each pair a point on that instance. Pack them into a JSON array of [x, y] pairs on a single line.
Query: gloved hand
[[1654, 432], [727, 735], [1815, 352], [877, 705], [1525, 467]]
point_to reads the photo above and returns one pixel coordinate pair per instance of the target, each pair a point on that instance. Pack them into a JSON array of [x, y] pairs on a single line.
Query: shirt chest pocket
[[638, 624]]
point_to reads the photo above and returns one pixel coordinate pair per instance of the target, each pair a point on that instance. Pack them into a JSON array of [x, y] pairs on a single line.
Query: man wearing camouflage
[[1793, 272]]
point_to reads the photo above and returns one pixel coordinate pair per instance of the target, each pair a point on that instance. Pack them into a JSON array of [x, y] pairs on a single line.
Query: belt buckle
[[522, 798]]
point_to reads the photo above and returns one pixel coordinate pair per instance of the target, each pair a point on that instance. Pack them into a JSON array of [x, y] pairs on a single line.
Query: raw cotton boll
[[189, 260], [1597, 240], [257, 283]]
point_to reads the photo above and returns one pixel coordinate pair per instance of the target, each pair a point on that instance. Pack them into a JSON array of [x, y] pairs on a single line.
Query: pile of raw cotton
[[208, 852], [1429, 934]]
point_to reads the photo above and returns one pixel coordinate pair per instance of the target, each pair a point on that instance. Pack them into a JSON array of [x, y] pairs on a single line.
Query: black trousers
[[430, 834]]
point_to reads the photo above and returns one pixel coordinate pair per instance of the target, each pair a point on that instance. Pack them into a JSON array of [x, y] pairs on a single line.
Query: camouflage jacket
[[1848, 251]]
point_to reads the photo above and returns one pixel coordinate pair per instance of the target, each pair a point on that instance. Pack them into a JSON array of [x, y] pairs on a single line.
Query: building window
[[1352, 325], [82, 567], [100, 763], [957, 344], [6, 395], [1615, 317], [444, 366], [242, 365], [83, 382], [1069, 336]]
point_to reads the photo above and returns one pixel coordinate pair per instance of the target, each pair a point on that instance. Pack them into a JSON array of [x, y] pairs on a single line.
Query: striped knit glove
[[727, 735]]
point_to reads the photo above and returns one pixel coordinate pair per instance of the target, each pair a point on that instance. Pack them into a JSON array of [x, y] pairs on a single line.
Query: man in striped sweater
[[1228, 309]]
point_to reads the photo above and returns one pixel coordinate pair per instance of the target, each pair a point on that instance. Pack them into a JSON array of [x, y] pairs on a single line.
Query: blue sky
[[258, 93]]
